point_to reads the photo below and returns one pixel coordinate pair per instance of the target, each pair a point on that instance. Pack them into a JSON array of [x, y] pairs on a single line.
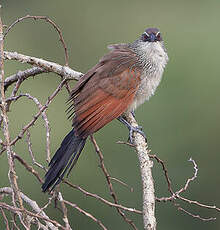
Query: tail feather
[[64, 158]]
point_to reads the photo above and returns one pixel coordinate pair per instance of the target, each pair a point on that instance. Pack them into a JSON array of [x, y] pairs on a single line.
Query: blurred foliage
[[181, 120]]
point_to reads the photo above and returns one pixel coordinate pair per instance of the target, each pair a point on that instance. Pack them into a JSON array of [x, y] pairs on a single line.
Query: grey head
[[150, 49], [151, 35], [150, 39]]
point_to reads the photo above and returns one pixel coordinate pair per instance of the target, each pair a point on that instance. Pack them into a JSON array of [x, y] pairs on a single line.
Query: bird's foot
[[133, 113], [132, 129], [137, 129]]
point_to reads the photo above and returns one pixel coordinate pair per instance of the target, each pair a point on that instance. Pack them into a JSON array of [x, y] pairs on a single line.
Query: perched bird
[[121, 81]]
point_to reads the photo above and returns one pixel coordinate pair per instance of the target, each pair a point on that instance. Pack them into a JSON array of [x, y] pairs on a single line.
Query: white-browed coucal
[[121, 81]]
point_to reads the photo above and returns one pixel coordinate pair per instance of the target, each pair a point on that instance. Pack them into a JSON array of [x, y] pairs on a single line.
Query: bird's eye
[[145, 37], [158, 36]]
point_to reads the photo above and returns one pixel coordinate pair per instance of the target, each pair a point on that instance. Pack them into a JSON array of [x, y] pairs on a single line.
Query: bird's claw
[[133, 129]]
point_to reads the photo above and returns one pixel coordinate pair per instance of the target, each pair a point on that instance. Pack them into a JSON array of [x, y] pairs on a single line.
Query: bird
[[123, 79]]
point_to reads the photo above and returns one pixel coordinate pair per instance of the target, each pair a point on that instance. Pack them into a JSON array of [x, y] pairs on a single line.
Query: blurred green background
[[181, 120]]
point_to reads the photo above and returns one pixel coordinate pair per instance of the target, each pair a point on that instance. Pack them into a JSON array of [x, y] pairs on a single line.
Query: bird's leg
[[133, 113], [131, 129]]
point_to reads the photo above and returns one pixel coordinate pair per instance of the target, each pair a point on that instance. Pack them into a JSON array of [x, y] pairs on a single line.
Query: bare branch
[[125, 143], [176, 195], [108, 179], [63, 71], [12, 173], [165, 172], [31, 152], [199, 204], [85, 213], [43, 108], [102, 199], [19, 210], [190, 179], [28, 167], [44, 116], [146, 175], [22, 75], [122, 183], [33, 204], [56, 27], [196, 216], [14, 220], [5, 219], [64, 209]]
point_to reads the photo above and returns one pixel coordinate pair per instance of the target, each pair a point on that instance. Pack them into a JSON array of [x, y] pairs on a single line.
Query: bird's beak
[[152, 37]]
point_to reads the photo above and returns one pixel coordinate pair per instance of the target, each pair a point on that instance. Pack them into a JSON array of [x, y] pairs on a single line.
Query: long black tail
[[64, 158]]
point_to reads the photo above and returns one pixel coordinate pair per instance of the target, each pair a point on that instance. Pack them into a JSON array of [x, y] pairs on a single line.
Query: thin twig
[[108, 179], [13, 94], [102, 199], [85, 213], [28, 167], [165, 172], [48, 203], [44, 116], [14, 220], [125, 143], [196, 216], [26, 212], [190, 179], [31, 151], [36, 116], [47, 20], [33, 204], [64, 209], [214, 207], [56, 27], [23, 75], [122, 183], [15, 90], [5, 219], [176, 195]]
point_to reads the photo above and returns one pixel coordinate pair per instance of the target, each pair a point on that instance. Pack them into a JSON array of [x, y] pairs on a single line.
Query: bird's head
[[151, 35]]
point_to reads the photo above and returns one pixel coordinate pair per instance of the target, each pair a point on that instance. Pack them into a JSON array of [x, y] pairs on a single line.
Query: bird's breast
[[151, 76]]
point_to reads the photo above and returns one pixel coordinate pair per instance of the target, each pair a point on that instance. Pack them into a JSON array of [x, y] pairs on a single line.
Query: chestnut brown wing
[[106, 91]]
